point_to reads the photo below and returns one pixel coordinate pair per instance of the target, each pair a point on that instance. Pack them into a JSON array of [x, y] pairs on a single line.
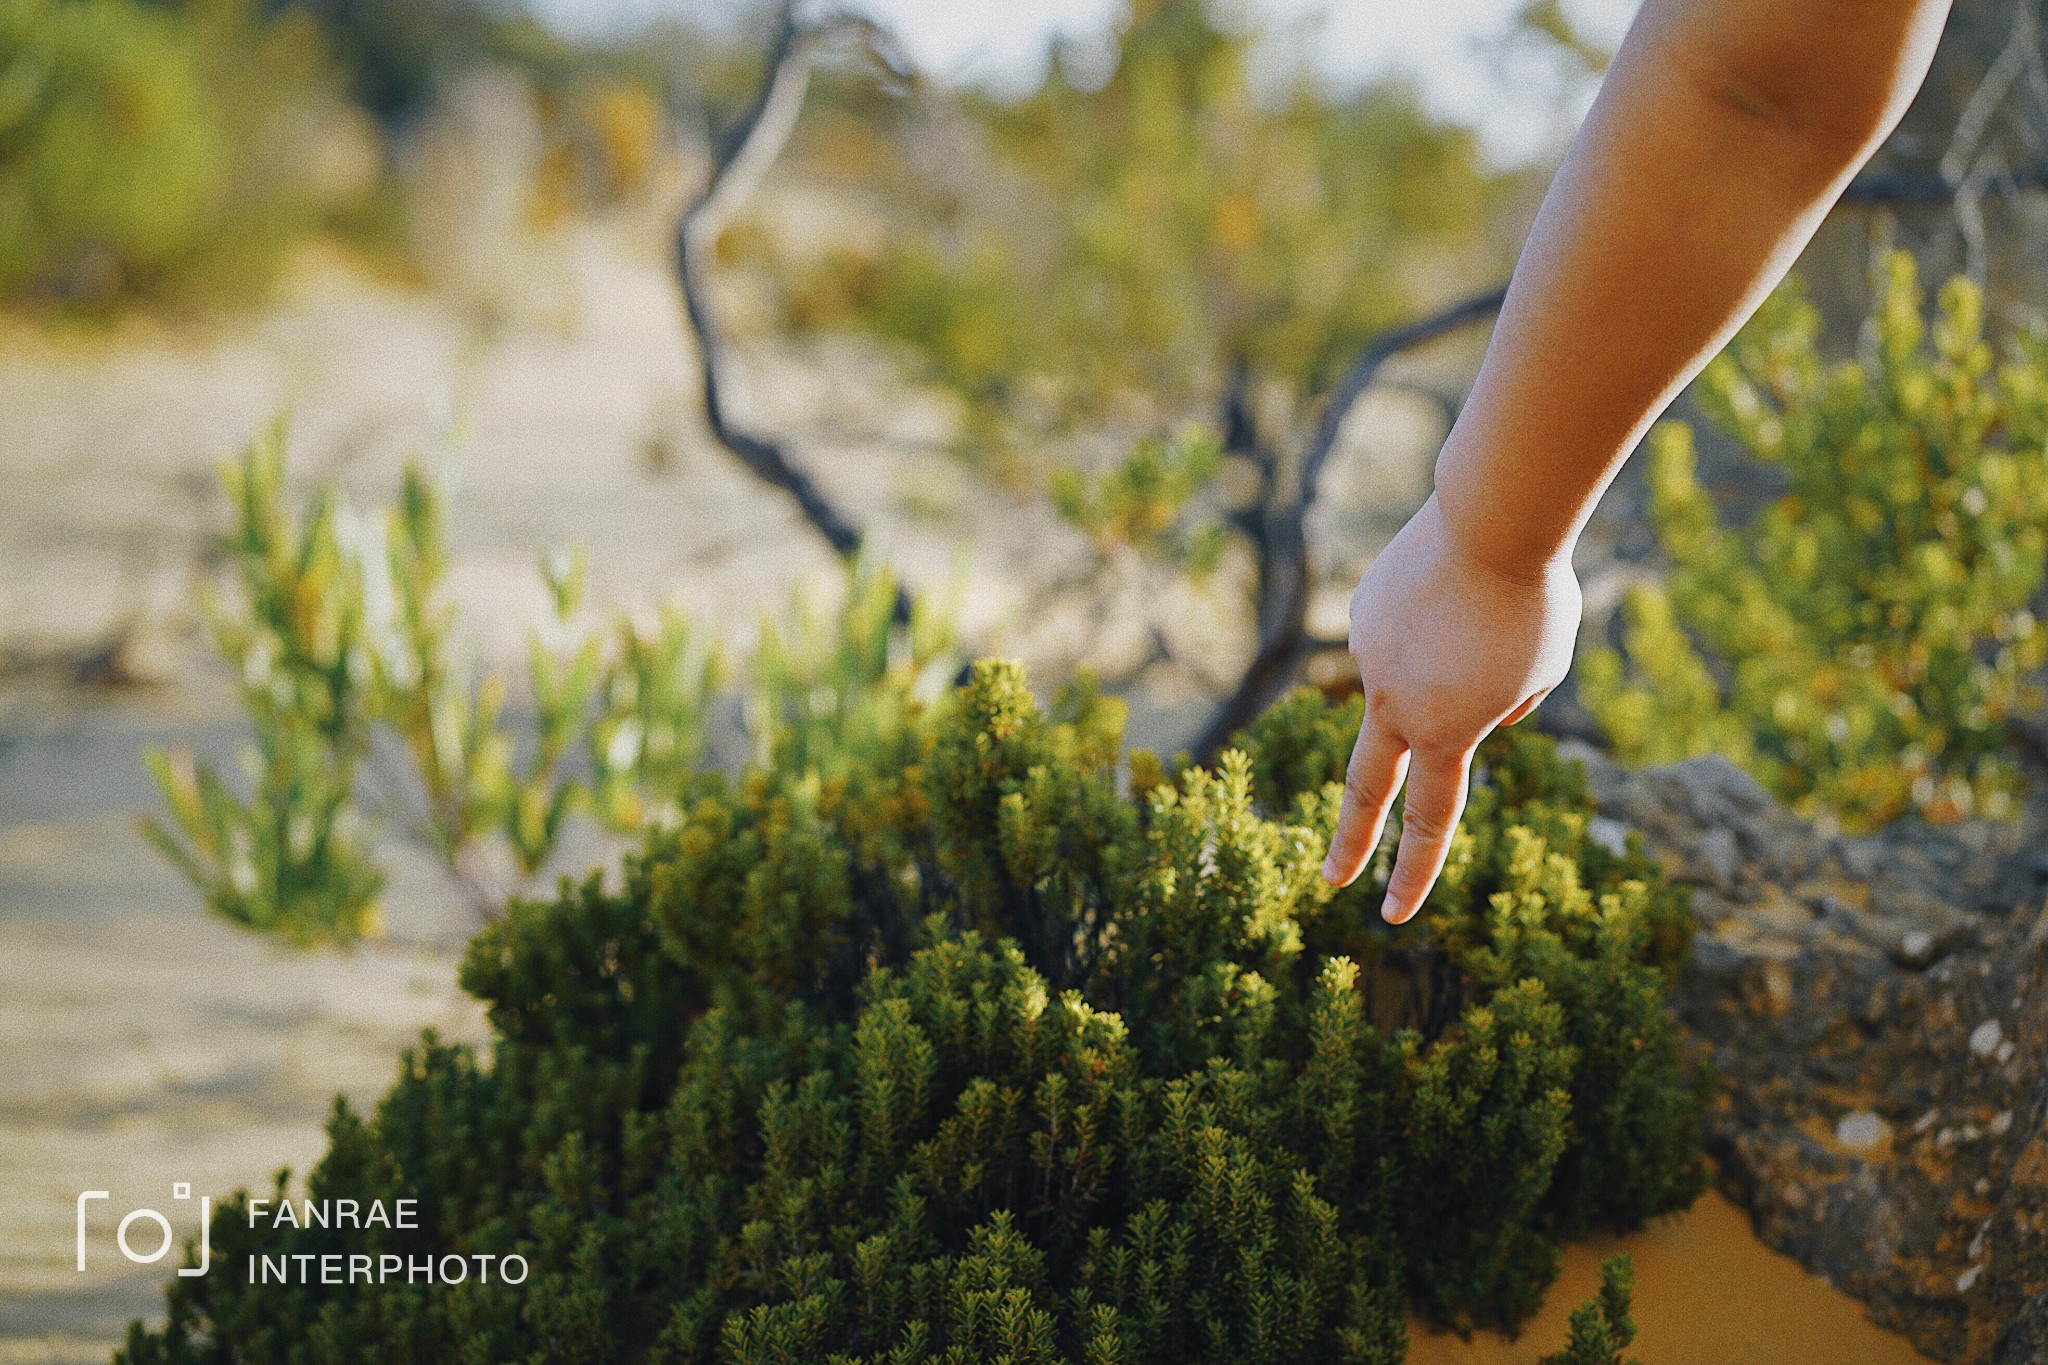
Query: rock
[[1885, 981], [1778, 986], [1915, 941], [1862, 1130], [1773, 908], [1719, 854], [1611, 835], [1835, 893], [1860, 858], [1985, 1038], [2025, 1341]]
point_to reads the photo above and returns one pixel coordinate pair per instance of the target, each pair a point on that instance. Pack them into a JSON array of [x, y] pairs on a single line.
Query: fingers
[[1374, 775], [1436, 798]]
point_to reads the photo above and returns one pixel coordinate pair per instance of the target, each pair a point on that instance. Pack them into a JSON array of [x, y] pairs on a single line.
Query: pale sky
[[1450, 47]]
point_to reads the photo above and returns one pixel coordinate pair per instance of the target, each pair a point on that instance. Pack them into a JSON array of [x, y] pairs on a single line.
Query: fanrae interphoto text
[[1129, 682]]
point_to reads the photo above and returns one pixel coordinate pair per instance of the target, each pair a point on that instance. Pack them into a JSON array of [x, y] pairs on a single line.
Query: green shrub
[[339, 641], [1124, 250], [293, 858], [148, 149], [1601, 1326], [335, 639], [1861, 644], [948, 1033]]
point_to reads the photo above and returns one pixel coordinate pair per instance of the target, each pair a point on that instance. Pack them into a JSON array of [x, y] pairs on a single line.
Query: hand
[[1448, 646]]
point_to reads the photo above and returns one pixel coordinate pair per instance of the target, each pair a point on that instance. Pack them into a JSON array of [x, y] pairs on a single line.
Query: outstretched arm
[[1723, 133]]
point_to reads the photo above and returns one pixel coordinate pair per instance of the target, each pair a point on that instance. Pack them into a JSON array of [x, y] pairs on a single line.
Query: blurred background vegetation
[[1180, 213], [168, 154], [1146, 287]]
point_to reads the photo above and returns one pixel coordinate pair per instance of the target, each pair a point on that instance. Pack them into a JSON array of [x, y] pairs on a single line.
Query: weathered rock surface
[[1876, 1010]]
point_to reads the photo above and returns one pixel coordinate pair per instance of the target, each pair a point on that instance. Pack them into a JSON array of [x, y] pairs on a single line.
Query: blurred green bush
[[1862, 643], [165, 152], [1123, 248]]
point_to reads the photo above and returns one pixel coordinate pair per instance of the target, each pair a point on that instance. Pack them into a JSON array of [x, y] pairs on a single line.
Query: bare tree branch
[[1283, 546], [1366, 368], [1969, 166], [1874, 188], [735, 175]]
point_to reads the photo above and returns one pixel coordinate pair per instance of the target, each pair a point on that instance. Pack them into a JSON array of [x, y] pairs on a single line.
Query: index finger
[[1378, 760]]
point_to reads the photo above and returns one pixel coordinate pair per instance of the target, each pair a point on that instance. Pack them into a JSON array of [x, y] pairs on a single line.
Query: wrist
[[1507, 543]]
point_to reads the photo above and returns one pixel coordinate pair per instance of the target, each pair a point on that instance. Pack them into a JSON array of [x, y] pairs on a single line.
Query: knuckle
[[1440, 751], [1424, 824], [1362, 787]]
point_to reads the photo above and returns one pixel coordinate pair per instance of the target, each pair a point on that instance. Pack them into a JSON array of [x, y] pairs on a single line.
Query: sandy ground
[[143, 1044], [1707, 1293]]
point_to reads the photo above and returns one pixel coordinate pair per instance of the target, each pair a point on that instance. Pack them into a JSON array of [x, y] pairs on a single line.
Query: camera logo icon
[[180, 1190]]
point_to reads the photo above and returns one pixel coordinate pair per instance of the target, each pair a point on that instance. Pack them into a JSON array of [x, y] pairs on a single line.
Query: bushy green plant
[[337, 639], [1862, 643], [1601, 1327], [1144, 501], [150, 149], [348, 656], [293, 858], [965, 1038]]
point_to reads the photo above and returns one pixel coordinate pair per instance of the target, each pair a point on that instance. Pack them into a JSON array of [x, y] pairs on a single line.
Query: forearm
[[1724, 132]]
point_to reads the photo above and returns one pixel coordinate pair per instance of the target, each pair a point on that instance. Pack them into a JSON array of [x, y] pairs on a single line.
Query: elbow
[[1835, 76]]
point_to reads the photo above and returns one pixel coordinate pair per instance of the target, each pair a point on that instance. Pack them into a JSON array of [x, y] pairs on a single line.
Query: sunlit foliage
[[1602, 1327], [1110, 249], [1862, 643], [293, 857]]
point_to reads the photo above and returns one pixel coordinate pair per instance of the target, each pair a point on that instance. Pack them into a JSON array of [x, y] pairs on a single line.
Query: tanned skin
[[1722, 135]]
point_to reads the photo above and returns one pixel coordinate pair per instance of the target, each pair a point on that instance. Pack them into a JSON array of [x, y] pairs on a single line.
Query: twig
[[1283, 548], [1954, 180], [1877, 188], [735, 175], [101, 663]]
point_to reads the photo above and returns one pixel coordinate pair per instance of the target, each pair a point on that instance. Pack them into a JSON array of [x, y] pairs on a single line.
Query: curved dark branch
[[1878, 188], [736, 173], [1284, 640], [1366, 368]]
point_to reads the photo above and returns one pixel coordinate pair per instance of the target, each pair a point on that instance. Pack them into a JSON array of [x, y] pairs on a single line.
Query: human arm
[[1722, 135]]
